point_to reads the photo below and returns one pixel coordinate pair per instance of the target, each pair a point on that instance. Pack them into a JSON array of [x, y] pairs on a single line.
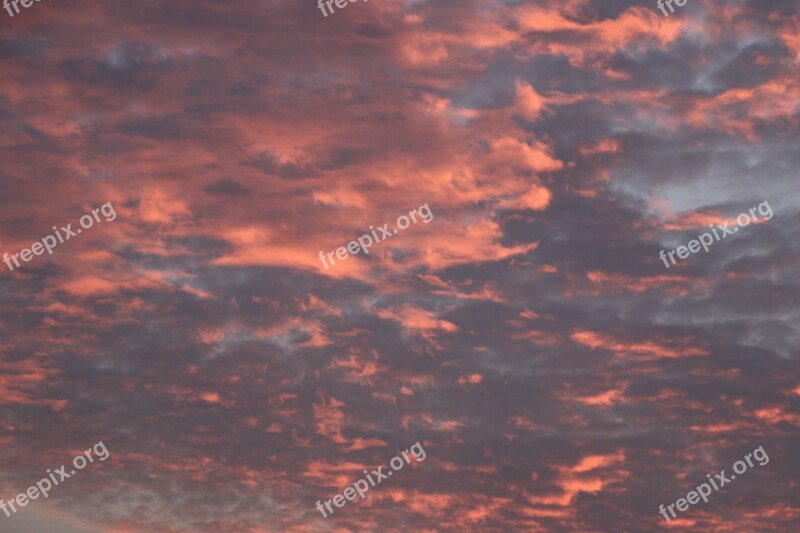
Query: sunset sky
[[558, 375]]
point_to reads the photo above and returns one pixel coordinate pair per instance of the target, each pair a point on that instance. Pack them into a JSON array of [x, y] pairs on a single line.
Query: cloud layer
[[559, 377]]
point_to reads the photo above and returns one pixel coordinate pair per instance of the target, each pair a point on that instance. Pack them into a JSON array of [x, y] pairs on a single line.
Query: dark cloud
[[227, 186]]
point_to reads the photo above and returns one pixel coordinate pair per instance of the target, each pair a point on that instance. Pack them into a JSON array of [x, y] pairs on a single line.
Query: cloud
[[559, 378]]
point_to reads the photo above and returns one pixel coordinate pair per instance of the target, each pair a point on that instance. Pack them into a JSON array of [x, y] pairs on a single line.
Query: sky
[[525, 329]]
